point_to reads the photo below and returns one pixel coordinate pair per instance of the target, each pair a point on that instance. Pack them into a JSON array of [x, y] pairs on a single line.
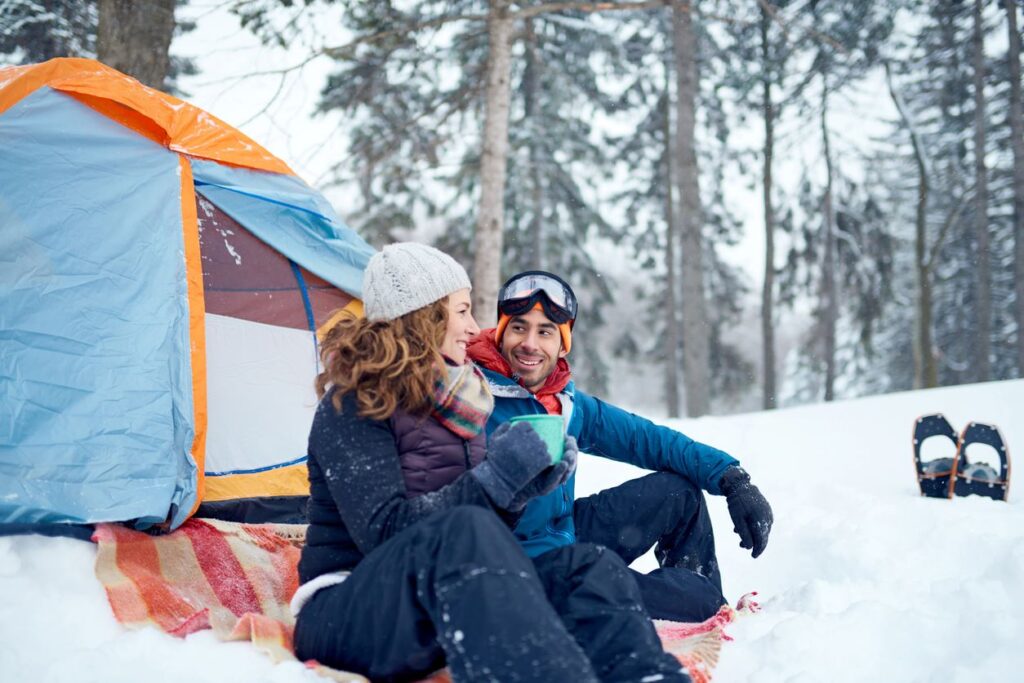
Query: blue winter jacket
[[600, 429]]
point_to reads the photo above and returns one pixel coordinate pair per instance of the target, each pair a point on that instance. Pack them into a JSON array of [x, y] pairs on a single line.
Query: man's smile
[[530, 361]]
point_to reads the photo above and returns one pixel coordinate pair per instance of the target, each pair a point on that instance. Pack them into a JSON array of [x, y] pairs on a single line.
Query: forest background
[[759, 203]]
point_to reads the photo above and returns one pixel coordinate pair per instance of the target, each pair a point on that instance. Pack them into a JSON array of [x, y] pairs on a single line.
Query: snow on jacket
[[370, 479], [600, 429]]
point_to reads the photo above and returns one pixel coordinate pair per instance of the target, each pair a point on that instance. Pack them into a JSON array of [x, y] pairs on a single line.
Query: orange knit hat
[[564, 330]]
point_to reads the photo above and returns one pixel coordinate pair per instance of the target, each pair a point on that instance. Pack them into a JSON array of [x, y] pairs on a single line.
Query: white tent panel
[[261, 398]]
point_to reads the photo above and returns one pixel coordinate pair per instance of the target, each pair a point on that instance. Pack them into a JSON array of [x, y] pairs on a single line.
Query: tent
[[162, 278]]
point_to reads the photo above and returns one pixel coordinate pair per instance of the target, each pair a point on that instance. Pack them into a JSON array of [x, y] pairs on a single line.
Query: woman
[[409, 563]]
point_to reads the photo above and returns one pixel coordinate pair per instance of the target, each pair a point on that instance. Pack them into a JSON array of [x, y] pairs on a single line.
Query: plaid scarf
[[462, 400]]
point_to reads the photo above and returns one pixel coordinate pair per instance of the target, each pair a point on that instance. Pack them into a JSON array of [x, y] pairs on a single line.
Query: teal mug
[[550, 428]]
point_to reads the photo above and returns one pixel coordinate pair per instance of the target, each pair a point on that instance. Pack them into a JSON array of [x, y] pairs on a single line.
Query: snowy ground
[[862, 580]]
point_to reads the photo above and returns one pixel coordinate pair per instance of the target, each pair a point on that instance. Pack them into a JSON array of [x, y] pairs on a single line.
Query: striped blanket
[[237, 579]]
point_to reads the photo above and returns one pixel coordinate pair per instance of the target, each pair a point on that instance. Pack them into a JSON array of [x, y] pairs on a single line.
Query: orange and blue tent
[[162, 278]]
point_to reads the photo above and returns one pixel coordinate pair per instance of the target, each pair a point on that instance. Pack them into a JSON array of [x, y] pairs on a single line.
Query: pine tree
[[983, 279], [409, 106], [848, 252], [924, 246], [1015, 115], [647, 153], [554, 163], [757, 74], [648, 199], [132, 37], [417, 142], [38, 30], [937, 84]]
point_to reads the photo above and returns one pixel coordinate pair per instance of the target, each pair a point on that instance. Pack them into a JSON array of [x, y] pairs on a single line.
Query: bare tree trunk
[[135, 38], [830, 307], [671, 306], [1017, 135], [493, 165], [530, 110], [769, 400], [983, 339], [696, 365], [925, 370]]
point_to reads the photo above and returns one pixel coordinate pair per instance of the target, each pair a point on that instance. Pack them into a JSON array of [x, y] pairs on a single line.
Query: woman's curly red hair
[[387, 364]]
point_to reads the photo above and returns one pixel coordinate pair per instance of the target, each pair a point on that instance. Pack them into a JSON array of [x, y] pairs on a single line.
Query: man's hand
[[751, 514]]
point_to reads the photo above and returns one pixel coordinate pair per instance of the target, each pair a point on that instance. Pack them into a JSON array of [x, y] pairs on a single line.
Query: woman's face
[[461, 326]]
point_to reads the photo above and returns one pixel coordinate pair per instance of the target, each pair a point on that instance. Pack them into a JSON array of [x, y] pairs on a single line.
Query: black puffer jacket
[[370, 479], [432, 456]]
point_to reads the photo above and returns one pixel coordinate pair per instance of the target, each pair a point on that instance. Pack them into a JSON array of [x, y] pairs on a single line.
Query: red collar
[[485, 353]]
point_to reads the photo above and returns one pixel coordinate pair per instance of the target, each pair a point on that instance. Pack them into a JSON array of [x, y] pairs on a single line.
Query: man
[[523, 359]]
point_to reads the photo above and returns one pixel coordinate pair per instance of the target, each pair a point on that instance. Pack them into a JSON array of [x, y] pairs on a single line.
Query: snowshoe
[[935, 476], [981, 478]]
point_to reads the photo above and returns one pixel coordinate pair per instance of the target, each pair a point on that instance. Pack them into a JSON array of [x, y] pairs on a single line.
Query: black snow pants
[[457, 589], [670, 511]]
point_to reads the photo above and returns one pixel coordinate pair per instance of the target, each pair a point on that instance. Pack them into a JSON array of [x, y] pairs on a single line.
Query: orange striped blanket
[[238, 579]]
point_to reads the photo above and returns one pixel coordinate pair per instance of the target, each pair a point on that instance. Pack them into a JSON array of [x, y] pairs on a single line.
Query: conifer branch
[[773, 12], [342, 51], [952, 218], [528, 12]]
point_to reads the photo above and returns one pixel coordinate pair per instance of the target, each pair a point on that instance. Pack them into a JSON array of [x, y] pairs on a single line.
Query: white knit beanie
[[405, 276]]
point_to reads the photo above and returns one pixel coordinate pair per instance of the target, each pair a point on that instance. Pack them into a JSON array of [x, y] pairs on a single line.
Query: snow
[[862, 580]]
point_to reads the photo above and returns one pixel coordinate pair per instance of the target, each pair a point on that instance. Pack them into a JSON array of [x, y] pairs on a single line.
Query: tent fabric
[[291, 219], [245, 278], [95, 370], [163, 281], [174, 124], [261, 402], [196, 323]]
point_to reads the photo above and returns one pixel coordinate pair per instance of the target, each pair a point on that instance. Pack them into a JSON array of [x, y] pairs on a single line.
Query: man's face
[[532, 346]]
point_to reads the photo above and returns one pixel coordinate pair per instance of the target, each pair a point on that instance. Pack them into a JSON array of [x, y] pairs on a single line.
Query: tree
[[135, 38], [488, 240], [648, 154], [942, 95], [761, 49], [846, 36], [925, 369], [410, 143], [982, 348], [1017, 143], [493, 163], [39, 30], [696, 332], [769, 391]]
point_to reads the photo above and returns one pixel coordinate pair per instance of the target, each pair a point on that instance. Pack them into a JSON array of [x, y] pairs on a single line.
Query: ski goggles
[[524, 291]]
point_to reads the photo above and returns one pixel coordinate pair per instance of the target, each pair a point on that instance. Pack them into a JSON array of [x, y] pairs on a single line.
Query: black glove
[[751, 514], [550, 479], [515, 455]]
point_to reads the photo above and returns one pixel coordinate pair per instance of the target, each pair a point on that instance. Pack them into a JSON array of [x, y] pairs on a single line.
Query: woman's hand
[[549, 479], [515, 456]]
